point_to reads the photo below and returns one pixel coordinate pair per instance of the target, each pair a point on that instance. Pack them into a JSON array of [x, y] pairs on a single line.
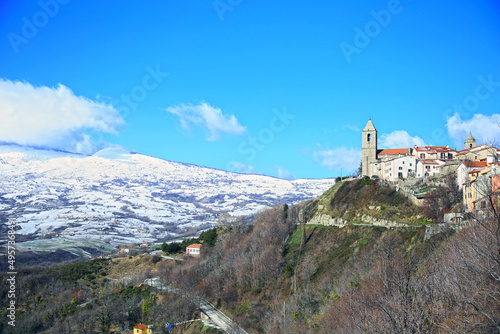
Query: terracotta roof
[[140, 326], [475, 163], [476, 170], [434, 148], [421, 149], [476, 149], [394, 151], [429, 162], [443, 149], [194, 246]]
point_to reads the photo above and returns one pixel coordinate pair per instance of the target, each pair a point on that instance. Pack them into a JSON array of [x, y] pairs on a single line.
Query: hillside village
[[475, 167], [360, 258]]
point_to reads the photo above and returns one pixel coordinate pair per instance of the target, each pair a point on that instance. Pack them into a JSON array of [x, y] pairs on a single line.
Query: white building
[[428, 168], [396, 168], [193, 250], [464, 169]]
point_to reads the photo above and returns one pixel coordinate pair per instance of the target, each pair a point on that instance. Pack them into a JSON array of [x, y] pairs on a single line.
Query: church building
[[368, 148], [371, 155], [419, 161]]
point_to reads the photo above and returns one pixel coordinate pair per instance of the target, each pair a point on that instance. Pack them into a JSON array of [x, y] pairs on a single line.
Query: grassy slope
[[349, 199], [332, 261], [335, 260]]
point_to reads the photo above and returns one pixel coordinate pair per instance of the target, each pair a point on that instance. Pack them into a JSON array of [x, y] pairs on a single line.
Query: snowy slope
[[116, 197]]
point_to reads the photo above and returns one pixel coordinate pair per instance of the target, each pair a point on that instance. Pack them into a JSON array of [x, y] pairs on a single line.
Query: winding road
[[219, 318]]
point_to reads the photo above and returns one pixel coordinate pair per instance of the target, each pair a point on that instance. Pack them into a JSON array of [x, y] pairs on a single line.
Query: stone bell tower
[[470, 142], [368, 148]]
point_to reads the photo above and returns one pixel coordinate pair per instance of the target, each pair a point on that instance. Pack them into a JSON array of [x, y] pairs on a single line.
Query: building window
[[403, 162], [483, 204], [400, 168], [410, 164], [368, 137], [422, 156]]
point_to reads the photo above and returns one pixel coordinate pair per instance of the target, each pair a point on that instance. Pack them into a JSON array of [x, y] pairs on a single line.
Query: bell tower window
[[368, 137]]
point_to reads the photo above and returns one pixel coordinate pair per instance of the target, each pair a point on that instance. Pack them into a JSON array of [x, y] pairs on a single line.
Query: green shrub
[[171, 248], [209, 237], [242, 308], [366, 181], [288, 270]]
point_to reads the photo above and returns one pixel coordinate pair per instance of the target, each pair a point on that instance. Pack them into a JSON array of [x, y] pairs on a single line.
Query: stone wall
[[443, 227], [366, 220], [410, 196]]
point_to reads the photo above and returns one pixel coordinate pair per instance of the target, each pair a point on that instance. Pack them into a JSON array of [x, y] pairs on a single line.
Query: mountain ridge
[[116, 197]]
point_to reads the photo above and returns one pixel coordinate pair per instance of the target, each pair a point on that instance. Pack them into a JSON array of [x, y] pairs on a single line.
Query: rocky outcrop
[[327, 220]]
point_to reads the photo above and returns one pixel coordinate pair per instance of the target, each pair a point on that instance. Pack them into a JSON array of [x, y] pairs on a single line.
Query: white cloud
[[352, 127], [208, 117], [341, 157], [52, 117], [485, 129], [242, 168], [399, 139], [284, 174]]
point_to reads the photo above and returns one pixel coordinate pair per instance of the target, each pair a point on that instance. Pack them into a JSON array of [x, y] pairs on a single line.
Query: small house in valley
[[143, 329], [193, 250]]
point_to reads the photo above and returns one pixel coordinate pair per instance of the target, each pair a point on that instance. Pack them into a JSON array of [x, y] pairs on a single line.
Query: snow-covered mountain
[[116, 197]]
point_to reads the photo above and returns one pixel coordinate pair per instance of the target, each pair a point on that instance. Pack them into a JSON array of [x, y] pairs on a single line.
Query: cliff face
[[364, 202]]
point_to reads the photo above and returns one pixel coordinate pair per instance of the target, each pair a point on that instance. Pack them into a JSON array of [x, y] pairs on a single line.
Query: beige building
[[143, 329], [478, 153], [470, 142]]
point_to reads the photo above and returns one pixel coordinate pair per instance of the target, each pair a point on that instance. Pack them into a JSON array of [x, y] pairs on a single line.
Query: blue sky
[[281, 88]]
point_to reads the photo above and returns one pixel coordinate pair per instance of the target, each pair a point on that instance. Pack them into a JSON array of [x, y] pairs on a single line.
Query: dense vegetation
[[80, 298], [208, 238], [274, 276], [351, 199]]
